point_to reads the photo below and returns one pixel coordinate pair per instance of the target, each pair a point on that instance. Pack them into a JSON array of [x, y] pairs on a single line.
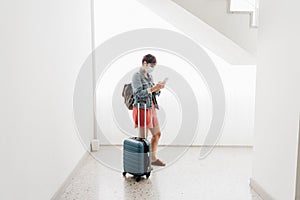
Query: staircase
[[210, 24], [235, 19], [248, 7]]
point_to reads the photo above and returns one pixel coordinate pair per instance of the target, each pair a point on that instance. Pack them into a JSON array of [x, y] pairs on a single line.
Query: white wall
[[239, 85], [277, 99], [239, 80], [43, 44]]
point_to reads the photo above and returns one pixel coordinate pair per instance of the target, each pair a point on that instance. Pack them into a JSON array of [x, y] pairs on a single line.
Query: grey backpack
[[127, 93]]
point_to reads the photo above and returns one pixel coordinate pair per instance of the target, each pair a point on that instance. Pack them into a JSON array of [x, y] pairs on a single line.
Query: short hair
[[149, 59]]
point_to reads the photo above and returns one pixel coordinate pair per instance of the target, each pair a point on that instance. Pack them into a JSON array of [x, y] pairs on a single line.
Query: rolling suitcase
[[137, 154]]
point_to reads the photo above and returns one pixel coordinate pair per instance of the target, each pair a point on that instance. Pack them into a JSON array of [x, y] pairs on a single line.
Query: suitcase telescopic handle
[[145, 117]]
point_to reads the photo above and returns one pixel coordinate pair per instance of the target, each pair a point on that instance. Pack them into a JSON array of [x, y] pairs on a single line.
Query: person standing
[[145, 92]]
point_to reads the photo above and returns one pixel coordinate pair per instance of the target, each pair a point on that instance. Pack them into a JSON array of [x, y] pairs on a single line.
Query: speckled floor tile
[[223, 175]]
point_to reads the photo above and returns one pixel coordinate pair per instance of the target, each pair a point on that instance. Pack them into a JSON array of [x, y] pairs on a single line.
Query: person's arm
[[156, 87], [138, 90], [157, 92], [137, 87]]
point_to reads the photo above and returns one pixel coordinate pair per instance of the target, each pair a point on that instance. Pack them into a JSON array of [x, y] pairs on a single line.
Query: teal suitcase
[[137, 155]]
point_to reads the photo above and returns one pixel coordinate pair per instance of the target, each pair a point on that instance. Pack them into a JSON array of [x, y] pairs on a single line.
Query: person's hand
[[157, 87], [161, 84]]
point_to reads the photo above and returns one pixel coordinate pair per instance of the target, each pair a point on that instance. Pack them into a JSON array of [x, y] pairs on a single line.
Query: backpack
[[127, 93]]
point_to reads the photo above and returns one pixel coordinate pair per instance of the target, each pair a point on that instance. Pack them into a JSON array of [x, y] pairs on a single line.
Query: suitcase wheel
[[138, 178], [147, 175], [124, 174]]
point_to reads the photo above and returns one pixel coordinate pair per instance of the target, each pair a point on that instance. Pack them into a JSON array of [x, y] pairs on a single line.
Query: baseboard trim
[[260, 190], [67, 181]]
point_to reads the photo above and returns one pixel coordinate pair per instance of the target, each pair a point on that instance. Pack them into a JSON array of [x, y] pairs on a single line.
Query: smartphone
[[165, 80]]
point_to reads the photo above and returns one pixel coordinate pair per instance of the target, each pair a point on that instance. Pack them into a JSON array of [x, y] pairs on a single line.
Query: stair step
[[246, 6]]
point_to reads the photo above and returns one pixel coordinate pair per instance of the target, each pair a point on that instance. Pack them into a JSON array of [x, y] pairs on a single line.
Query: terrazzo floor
[[223, 175]]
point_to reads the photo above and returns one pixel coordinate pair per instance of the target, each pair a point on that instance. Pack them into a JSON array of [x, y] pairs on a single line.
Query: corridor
[[224, 174], [225, 75]]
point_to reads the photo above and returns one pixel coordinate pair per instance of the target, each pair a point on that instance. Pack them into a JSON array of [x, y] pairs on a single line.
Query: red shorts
[[150, 117]]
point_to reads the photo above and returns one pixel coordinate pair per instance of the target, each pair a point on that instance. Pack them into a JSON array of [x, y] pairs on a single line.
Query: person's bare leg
[[142, 132], [154, 144]]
